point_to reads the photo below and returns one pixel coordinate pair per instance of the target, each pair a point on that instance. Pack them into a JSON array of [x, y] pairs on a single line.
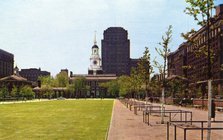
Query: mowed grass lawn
[[56, 120]]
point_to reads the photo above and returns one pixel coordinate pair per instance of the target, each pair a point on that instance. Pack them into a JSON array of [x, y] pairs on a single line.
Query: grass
[[56, 120]]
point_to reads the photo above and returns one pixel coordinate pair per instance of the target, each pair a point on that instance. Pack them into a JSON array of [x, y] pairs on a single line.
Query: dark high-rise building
[[32, 74], [6, 63], [133, 63], [116, 51]]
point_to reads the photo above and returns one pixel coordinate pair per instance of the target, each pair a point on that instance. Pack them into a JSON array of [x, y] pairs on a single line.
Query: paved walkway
[[27, 101], [127, 126]]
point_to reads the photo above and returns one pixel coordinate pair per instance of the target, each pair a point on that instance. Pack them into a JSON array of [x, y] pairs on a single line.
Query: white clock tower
[[95, 60]]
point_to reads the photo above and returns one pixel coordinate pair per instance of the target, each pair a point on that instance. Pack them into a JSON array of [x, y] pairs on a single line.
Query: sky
[[59, 34]]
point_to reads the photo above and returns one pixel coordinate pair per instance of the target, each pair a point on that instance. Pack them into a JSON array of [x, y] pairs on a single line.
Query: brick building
[[32, 74], [187, 62], [94, 81], [95, 76], [6, 63]]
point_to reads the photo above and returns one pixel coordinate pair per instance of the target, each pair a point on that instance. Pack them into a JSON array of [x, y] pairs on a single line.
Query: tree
[[71, 89], [47, 90], [62, 79], [3, 92], [200, 10], [80, 85], [155, 86], [145, 69], [124, 85], [47, 80], [47, 83], [113, 87], [15, 92], [135, 81], [177, 87], [27, 92], [163, 52]]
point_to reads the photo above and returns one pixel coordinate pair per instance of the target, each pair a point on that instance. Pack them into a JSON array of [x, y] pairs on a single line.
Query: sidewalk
[[27, 101], [125, 125]]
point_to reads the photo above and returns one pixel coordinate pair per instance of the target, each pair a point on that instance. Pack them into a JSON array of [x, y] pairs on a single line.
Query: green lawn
[[56, 120]]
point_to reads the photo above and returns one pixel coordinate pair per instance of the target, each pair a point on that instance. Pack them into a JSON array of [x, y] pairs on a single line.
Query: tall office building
[[6, 63], [116, 51]]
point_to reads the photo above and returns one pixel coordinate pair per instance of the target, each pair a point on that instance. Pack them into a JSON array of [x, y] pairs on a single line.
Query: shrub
[[27, 92]]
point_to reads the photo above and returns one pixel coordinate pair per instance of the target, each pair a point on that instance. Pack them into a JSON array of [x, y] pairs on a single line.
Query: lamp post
[[209, 73]]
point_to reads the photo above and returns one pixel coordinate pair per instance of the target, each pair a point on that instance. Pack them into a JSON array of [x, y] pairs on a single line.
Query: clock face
[[95, 62]]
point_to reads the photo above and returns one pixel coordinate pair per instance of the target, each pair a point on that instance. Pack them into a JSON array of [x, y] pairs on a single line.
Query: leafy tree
[[113, 87], [135, 82], [80, 85], [27, 92], [47, 80], [47, 84], [124, 85], [145, 69], [71, 89], [3, 92], [86, 90], [62, 79], [47, 91], [163, 52], [155, 86], [177, 87], [200, 10], [104, 86], [15, 92]]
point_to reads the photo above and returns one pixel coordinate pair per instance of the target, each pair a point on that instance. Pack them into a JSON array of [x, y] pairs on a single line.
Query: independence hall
[[187, 62]]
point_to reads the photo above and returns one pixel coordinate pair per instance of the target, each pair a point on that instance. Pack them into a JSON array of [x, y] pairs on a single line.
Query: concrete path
[[27, 101], [127, 126]]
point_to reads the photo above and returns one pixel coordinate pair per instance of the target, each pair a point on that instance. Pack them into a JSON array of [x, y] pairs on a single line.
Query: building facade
[[133, 63], [116, 51], [32, 74], [187, 61], [94, 77], [6, 63], [177, 61], [93, 82]]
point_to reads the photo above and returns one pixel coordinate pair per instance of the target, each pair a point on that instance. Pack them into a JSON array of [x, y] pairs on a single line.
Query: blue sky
[[58, 34]]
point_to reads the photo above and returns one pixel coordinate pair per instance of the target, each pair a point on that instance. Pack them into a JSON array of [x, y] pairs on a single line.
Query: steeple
[[95, 41], [95, 46], [16, 71], [95, 60]]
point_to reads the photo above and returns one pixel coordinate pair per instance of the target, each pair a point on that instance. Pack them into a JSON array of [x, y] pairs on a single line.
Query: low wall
[[218, 103]]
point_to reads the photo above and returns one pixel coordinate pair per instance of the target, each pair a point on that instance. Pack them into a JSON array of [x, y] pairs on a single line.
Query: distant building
[[65, 71], [95, 76], [32, 74], [133, 63], [6, 63], [95, 60], [116, 51], [94, 81], [185, 62], [177, 61], [14, 80]]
